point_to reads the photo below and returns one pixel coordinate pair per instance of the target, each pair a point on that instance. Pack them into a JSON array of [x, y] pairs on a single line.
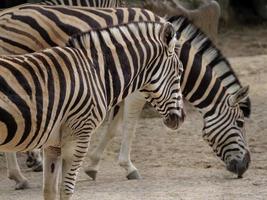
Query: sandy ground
[[180, 165]]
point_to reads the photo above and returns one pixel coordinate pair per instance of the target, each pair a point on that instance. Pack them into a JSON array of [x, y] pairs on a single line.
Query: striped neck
[[197, 51], [123, 56], [207, 96]]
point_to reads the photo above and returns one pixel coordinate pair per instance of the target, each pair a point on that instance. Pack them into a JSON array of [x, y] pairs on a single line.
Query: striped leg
[[133, 107], [52, 164], [14, 172], [129, 113], [73, 151], [114, 126]]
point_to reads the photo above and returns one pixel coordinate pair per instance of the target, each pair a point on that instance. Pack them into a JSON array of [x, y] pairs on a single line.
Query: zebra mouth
[[239, 167], [173, 120]]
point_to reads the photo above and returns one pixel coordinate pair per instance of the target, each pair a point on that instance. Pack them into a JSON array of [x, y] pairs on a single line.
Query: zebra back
[[42, 91], [29, 28], [89, 3], [194, 44]]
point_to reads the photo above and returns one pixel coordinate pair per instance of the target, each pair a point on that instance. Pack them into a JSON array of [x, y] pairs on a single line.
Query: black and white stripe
[[30, 28], [216, 93], [210, 84], [90, 3], [56, 98], [194, 44], [38, 22], [196, 51]]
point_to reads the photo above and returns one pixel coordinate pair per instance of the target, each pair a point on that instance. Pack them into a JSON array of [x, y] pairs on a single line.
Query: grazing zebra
[[51, 31], [209, 86], [91, 3], [56, 98]]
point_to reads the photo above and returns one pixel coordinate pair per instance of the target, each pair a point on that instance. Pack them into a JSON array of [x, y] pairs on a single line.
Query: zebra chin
[[174, 120], [239, 166]]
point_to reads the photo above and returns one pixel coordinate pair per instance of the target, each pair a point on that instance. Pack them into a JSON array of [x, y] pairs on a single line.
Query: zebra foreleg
[[52, 164], [73, 152], [14, 172], [114, 126], [132, 109]]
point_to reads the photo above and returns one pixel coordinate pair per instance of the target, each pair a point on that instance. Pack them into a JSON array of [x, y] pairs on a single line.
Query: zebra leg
[[14, 172], [114, 126], [133, 107], [34, 160], [52, 164], [73, 151]]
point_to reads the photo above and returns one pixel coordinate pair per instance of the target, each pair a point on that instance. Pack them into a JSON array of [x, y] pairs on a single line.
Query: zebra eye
[[240, 124]]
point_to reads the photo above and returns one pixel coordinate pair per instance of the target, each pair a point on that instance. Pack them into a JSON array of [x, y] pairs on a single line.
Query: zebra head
[[163, 90], [225, 132]]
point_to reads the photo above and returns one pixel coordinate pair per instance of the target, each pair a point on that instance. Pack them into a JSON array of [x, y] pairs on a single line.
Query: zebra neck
[[118, 79], [205, 95], [220, 102]]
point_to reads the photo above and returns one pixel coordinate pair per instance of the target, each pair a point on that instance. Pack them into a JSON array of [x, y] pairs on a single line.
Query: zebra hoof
[[38, 168], [22, 185], [239, 176], [91, 174], [134, 175]]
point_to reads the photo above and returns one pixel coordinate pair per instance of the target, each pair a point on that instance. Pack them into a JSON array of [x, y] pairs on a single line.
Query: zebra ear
[[169, 35], [240, 95]]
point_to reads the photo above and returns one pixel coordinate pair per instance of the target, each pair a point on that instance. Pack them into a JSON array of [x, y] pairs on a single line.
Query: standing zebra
[[86, 21], [56, 98], [34, 159], [55, 26], [209, 86]]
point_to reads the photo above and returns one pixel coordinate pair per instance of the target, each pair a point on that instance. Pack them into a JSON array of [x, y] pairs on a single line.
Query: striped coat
[[56, 98], [192, 49]]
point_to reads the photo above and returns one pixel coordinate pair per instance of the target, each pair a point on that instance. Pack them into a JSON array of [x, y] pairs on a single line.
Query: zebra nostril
[[233, 166]]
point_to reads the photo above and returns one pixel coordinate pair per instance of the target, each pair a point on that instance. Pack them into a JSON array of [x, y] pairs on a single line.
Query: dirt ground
[[180, 165]]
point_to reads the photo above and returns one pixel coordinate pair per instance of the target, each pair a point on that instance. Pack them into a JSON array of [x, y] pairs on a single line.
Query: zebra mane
[[212, 56], [187, 31], [82, 39]]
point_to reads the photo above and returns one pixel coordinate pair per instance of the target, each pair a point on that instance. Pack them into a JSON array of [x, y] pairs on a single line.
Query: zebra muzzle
[[174, 120], [239, 166]]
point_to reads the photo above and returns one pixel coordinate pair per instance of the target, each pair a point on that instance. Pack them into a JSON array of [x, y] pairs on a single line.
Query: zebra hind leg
[[14, 172], [114, 126], [133, 107], [35, 160]]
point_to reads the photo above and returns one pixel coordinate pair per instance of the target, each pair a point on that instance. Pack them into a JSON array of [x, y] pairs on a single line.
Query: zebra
[[19, 34], [209, 86], [34, 159], [53, 31], [55, 99]]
